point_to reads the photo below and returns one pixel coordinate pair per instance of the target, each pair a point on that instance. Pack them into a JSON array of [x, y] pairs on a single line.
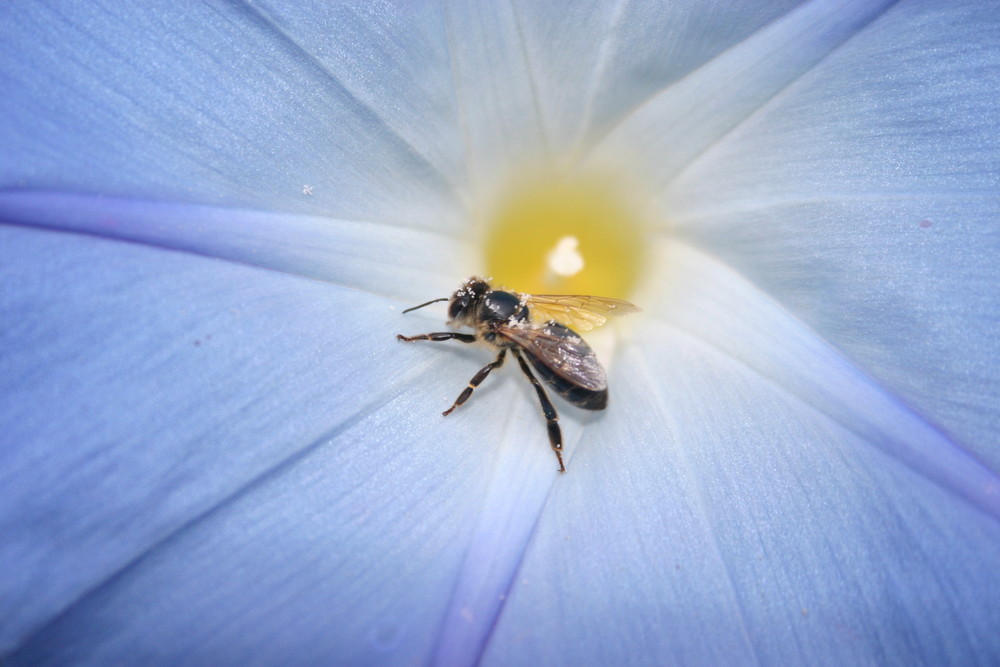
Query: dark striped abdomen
[[581, 397]]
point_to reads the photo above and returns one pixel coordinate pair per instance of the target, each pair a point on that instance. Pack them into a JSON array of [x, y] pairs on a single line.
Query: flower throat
[[564, 237]]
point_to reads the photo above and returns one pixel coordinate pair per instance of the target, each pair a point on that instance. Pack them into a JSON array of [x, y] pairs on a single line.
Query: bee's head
[[466, 299]]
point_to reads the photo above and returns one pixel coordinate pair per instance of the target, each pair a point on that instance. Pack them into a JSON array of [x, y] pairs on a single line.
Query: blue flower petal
[[864, 198], [215, 104], [392, 57], [145, 390], [752, 498], [288, 498], [593, 63], [192, 391], [661, 137], [545, 81]]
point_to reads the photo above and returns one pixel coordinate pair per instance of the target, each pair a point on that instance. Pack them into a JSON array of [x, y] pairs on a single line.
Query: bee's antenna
[[444, 298]]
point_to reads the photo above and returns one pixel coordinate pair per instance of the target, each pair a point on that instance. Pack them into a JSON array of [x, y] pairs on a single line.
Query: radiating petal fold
[[146, 389], [497, 96], [542, 79], [219, 104], [864, 198], [660, 137], [394, 58]]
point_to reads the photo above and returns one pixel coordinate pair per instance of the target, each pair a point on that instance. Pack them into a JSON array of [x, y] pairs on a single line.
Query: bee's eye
[[467, 296], [458, 306]]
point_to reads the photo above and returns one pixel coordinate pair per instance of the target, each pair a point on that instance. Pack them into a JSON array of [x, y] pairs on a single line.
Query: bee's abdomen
[[581, 397]]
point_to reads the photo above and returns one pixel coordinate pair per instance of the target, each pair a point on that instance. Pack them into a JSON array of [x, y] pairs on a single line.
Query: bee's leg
[[476, 380], [438, 336], [555, 434]]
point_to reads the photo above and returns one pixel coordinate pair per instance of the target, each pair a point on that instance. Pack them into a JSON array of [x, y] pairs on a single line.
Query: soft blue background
[[215, 452]]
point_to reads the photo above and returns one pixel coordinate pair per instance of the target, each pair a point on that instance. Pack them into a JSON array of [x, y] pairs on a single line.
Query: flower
[[215, 451]]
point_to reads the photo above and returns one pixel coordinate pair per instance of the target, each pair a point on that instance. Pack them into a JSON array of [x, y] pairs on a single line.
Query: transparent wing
[[560, 349], [576, 310]]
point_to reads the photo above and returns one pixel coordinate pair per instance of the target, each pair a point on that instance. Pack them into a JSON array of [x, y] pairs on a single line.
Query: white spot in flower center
[[565, 259]]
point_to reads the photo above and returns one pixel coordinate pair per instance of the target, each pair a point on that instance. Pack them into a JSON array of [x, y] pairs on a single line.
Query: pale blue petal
[[296, 497], [264, 435], [544, 80], [217, 103], [497, 98], [593, 62], [663, 135], [209, 461], [392, 57], [287, 572], [865, 198], [167, 442], [783, 521]]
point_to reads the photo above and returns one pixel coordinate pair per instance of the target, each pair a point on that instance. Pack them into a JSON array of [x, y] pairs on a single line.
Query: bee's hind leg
[[549, 410]]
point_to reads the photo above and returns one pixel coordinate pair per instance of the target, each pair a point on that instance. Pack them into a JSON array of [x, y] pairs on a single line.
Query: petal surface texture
[[215, 451], [877, 225]]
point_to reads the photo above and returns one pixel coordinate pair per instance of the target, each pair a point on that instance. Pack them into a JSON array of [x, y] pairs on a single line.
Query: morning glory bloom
[[215, 451]]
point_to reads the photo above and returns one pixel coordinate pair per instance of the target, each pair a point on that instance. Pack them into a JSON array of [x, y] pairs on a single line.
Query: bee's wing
[[577, 310], [560, 349]]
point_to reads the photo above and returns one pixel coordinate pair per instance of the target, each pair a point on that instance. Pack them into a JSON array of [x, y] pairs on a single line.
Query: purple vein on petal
[[364, 256], [223, 108], [511, 509], [504, 586], [814, 373], [461, 110]]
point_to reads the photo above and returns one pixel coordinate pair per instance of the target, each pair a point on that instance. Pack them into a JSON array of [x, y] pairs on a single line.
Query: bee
[[528, 326]]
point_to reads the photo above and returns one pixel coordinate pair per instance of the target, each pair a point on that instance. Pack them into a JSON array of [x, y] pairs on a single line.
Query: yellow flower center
[[564, 236]]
